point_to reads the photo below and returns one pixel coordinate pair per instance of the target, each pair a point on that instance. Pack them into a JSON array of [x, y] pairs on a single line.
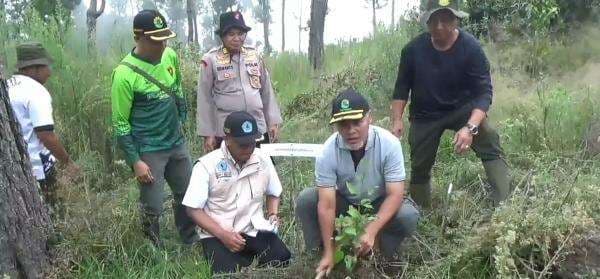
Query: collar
[[226, 51], [227, 156], [145, 60], [26, 77], [370, 140]]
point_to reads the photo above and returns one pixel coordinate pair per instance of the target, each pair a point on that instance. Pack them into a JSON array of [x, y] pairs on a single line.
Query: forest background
[[545, 58]]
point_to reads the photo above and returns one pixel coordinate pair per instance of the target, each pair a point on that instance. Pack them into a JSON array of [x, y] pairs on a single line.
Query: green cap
[[437, 5], [32, 54]]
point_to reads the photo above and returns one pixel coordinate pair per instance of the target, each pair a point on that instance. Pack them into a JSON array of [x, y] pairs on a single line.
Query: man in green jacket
[[148, 109]]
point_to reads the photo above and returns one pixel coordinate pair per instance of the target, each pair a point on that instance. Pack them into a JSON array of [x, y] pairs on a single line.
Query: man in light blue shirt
[[359, 162]]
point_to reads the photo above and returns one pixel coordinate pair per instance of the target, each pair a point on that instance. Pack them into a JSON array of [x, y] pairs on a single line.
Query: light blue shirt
[[383, 162]]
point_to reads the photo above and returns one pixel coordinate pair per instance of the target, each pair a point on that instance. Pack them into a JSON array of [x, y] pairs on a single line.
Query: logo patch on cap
[[158, 22], [237, 16], [345, 104], [444, 3], [247, 127]]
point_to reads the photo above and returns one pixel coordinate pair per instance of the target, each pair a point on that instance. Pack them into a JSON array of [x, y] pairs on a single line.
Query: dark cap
[[32, 54], [229, 20], [242, 127], [438, 5], [152, 23], [348, 105]]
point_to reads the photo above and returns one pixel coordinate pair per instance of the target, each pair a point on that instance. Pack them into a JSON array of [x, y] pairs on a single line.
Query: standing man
[[32, 105], [225, 198], [233, 77], [447, 77], [148, 109], [360, 161]]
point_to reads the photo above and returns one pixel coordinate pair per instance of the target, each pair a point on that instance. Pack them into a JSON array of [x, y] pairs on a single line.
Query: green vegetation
[[546, 95]]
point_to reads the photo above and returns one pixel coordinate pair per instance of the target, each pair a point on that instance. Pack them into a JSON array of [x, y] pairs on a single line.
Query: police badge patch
[[255, 82]]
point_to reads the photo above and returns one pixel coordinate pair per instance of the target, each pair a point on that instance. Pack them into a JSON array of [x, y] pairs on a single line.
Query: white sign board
[[291, 149]]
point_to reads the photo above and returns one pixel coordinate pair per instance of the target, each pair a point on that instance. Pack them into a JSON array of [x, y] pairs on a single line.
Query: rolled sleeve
[[393, 169], [478, 72], [197, 191], [274, 187], [404, 81]]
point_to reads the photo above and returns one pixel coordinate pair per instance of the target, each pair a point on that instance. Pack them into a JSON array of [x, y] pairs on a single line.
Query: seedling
[[350, 227]]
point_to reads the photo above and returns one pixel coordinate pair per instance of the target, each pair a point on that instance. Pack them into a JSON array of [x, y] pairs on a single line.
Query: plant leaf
[[350, 261], [339, 256]]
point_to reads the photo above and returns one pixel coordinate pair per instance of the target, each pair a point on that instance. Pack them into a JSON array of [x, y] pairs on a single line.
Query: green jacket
[[146, 119]]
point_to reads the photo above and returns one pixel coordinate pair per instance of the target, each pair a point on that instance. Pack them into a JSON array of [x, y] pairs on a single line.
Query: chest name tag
[[224, 68]]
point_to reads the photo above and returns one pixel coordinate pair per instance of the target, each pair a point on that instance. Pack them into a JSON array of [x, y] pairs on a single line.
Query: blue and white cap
[[242, 127]]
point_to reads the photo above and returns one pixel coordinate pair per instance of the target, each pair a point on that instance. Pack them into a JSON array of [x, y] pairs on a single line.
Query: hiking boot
[[497, 174], [421, 194]]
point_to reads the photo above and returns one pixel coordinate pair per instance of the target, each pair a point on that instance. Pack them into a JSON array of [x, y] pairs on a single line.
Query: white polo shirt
[[32, 105]]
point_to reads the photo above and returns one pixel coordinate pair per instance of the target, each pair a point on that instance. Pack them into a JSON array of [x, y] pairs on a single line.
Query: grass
[[540, 116]]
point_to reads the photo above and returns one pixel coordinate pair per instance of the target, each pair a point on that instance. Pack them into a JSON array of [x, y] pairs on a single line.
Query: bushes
[[541, 115]]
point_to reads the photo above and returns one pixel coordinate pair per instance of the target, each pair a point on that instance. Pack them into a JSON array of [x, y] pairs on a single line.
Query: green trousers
[[173, 166], [424, 139]]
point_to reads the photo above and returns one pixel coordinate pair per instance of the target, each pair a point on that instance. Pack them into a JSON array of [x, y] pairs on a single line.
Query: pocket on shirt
[[229, 100]]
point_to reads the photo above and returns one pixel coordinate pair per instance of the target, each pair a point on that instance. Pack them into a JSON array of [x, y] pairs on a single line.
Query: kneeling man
[[360, 161], [225, 199]]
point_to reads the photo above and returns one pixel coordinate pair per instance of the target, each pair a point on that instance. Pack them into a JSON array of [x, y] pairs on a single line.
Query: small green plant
[[349, 228]]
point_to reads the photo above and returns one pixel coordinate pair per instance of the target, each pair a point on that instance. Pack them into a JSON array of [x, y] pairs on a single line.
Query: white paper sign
[[291, 149]]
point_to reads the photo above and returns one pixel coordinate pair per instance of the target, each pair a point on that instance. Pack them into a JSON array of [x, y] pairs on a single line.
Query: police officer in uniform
[[233, 77]]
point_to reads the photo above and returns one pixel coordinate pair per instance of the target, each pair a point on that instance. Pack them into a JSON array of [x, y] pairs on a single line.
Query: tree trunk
[[92, 15], [373, 2], [24, 222], [266, 35], [196, 30], [318, 11], [282, 25], [191, 17], [393, 23]]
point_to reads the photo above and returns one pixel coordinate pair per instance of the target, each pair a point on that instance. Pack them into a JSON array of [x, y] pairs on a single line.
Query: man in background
[[148, 109], [233, 77], [32, 104]]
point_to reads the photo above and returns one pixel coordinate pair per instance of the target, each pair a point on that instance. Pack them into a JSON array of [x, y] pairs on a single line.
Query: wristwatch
[[473, 129]]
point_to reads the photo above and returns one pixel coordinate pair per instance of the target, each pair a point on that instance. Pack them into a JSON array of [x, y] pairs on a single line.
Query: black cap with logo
[[242, 127], [348, 105], [152, 23], [229, 20]]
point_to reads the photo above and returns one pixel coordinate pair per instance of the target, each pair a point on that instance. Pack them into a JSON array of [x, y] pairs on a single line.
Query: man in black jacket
[[447, 77]]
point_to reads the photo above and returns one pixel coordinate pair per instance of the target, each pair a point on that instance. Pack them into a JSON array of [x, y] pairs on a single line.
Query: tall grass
[[541, 119]]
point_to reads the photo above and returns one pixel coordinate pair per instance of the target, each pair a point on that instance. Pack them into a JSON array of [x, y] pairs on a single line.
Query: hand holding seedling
[[367, 242]]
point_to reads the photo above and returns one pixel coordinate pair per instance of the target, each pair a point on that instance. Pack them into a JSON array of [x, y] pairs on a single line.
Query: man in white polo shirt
[[225, 199], [360, 161], [32, 105]]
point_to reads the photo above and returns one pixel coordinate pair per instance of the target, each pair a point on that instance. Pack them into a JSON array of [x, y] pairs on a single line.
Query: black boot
[[151, 228]]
